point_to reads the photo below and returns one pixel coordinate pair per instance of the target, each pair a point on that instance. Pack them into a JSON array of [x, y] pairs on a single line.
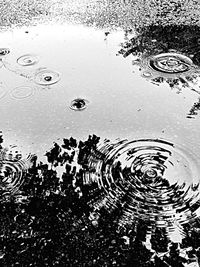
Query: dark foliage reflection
[[169, 55], [96, 204]]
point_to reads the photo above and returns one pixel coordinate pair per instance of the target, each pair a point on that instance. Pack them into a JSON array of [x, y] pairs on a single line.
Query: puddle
[[116, 184]]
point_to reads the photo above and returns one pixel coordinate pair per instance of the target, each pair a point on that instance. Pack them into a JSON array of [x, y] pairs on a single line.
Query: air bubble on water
[[152, 180], [79, 104], [46, 77], [27, 60], [22, 92]]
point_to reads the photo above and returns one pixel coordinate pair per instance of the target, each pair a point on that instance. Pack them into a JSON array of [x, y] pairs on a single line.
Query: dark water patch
[[194, 110], [156, 39], [159, 181], [76, 215], [46, 77], [12, 171], [27, 60], [79, 104], [167, 55], [22, 92]]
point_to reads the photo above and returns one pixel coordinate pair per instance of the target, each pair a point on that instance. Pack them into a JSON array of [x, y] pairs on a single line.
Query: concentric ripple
[[173, 68], [12, 172], [170, 63], [27, 60], [46, 77], [22, 92], [152, 180]]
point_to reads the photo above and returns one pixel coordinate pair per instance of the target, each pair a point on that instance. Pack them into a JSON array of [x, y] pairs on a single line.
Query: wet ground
[[100, 122]]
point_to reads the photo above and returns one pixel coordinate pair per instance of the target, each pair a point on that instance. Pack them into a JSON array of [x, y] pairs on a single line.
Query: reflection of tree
[[155, 40], [56, 225], [194, 110], [159, 39]]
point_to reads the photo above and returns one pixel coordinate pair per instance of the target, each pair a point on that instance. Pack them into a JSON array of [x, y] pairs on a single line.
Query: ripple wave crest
[[151, 180], [12, 172]]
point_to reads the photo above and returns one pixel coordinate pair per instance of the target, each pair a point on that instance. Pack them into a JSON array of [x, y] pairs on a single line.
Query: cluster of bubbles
[[151, 180], [12, 172]]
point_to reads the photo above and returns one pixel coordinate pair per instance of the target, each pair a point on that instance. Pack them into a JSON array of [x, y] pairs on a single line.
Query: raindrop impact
[[27, 60], [22, 92], [151, 180], [79, 104], [46, 77], [4, 52], [170, 63], [12, 172]]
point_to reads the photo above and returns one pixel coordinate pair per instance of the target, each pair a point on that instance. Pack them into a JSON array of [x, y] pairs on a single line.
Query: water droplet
[[79, 104], [170, 63], [46, 77], [12, 172], [27, 60], [22, 92], [4, 52], [153, 180]]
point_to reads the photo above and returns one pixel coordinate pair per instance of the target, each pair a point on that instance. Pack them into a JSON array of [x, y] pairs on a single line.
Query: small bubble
[[79, 104], [22, 92], [27, 60], [46, 77]]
